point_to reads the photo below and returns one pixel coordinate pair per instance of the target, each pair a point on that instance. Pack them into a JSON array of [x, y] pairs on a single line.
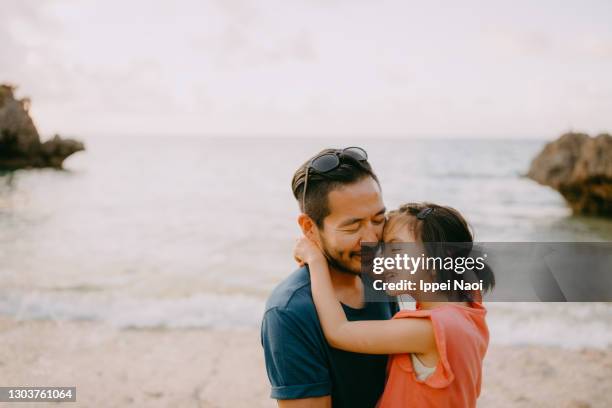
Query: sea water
[[184, 231]]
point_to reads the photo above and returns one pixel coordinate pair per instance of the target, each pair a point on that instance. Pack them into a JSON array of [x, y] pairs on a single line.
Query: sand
[[224, 368]]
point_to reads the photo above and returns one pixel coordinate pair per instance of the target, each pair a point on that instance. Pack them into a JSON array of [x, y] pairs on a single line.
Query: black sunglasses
[[327, 162]]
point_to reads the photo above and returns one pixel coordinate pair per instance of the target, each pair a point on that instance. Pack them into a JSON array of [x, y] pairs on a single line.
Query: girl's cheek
[[385, 233], [387, 236]]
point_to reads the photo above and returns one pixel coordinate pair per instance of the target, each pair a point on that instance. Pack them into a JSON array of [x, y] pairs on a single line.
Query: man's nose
[[370, 233]]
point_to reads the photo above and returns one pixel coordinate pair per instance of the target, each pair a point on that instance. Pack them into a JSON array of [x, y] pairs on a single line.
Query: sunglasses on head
[[329, 161]]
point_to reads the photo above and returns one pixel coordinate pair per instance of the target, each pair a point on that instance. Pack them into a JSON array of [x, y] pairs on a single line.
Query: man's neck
[[348, 288]]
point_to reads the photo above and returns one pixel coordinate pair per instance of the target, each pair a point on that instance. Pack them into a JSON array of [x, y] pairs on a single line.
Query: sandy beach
[[224, 368]]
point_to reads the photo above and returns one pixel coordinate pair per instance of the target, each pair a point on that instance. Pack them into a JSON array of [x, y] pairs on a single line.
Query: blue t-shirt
[[299, 361]]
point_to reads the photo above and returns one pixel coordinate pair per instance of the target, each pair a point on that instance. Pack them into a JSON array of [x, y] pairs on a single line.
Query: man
[[341, 204]]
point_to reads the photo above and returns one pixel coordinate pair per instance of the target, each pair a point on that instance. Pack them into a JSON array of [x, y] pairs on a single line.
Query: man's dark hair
[[321, 184]]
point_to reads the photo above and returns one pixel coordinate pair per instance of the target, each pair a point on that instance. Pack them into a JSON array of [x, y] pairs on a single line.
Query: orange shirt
[[462, 338]]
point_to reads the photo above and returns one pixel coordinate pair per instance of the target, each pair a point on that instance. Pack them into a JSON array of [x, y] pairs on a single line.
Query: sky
[[311, 68]]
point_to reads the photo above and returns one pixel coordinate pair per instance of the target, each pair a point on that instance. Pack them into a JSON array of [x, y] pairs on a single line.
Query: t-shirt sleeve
[[295, 360]]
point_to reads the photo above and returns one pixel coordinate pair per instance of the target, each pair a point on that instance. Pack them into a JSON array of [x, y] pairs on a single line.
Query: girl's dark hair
[[445, 233]]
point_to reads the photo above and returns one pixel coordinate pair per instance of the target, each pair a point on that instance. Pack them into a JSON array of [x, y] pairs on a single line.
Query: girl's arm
[[369, 336]]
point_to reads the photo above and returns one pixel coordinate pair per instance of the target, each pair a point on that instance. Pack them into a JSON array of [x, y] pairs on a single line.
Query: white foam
[[197, 311]]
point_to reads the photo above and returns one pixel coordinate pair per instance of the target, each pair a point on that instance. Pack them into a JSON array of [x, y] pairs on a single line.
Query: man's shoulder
[[293, 294]]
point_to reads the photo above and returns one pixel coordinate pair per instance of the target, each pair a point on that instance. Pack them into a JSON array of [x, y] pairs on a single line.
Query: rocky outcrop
[[20, 144], [580, 168]]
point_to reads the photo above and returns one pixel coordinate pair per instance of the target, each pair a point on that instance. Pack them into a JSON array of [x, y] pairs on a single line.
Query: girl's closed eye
[[390, 275]]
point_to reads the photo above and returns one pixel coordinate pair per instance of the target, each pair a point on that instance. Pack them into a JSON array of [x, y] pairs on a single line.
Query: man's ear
[[308, 227]]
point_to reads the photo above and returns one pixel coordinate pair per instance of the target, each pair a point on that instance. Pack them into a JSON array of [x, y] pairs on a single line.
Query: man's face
[[357, 214]]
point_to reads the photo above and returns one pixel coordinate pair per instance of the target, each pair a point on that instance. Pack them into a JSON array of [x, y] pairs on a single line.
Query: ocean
[[190, 232]]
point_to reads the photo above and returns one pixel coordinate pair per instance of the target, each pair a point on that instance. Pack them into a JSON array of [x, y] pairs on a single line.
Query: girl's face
[[400, 230]]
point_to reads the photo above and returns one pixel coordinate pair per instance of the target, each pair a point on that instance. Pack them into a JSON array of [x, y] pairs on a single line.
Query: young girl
[[436, 351]]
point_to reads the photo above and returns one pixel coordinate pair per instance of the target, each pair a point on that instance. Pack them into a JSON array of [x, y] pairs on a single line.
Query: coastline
[[224, 368]]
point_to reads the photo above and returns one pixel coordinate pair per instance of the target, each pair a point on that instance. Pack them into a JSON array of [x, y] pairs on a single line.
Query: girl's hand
[[307, 251]]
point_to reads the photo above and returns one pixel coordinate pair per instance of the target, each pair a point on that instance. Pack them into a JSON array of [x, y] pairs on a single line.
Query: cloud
[[250, 38], [559, 46], [28, 57], [308, 67]]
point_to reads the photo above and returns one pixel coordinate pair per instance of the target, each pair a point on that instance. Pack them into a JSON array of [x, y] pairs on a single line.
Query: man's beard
[[336, 263]]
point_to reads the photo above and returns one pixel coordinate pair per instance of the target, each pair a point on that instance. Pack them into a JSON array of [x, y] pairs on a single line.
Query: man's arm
[[296, 364], [319, 402]]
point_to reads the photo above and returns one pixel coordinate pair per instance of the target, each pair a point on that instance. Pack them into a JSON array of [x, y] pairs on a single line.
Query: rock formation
[[20, 144], [580, 168]]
